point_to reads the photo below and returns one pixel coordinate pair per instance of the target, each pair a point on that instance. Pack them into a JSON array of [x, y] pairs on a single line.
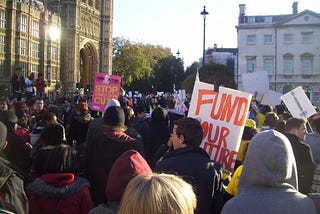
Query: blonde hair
[[158, 193]]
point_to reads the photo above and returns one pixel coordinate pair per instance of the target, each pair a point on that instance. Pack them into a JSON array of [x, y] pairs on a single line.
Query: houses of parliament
[[68, 41]]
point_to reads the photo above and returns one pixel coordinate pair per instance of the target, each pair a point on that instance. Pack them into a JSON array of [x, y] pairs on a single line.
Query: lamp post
[[178, 53], [204, 13]]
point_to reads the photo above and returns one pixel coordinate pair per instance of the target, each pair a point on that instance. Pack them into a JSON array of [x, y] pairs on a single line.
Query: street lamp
[[204, 13], [178, 53]]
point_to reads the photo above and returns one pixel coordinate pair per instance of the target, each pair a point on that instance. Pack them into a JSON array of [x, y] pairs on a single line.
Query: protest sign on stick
[[298, 103], [222, 117], [106, 87]]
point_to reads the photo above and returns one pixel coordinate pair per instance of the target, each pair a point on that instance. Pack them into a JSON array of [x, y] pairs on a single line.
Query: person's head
[[296, 127], [171, 103], [271, 119], [158, 193], [285, 116], [126, 167], [31, 76], [114, 117], [266, 108], [187, 131], [39, 104], [82, 108], [129, 115], [62, 159], [111, 102], [153, 100], [9, 119], [270, 156], [4, 104], [40, 75], [21, 106], [48, 118], [23, 118], [160, 116], [18, 70], [250, 130], [3, 136], [53, 135], [140, 111]]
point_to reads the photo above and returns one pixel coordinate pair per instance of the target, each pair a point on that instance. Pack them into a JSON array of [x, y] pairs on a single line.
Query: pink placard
[[106, 87]]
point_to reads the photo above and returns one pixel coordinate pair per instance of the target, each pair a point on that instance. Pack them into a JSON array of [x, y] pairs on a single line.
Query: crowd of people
[[58, 156]]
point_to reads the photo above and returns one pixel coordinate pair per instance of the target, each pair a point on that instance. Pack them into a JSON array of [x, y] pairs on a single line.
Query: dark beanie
[[114, 116]]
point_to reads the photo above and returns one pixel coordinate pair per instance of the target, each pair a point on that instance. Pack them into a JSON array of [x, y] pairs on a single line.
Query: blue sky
[[178, 25]]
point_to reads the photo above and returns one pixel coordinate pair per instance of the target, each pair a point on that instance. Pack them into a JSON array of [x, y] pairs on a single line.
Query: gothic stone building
[[29, 38]]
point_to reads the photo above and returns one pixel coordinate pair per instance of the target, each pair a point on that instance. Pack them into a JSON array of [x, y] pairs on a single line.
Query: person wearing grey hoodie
[[269, 183]]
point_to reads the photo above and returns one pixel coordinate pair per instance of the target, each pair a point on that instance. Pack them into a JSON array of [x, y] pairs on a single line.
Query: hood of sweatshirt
[[269, 162], [127, 166]]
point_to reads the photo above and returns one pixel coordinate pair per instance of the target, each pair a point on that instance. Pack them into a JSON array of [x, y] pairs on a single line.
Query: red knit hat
[[126, 167]]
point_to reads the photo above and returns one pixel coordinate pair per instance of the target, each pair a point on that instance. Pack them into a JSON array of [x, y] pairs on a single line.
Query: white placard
[[256, 82], [222, 116], [272, 98], [298, 103]]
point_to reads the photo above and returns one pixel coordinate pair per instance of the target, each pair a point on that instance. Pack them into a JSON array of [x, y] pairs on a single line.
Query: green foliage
[[145, 67], [217, 74], [188, 84]]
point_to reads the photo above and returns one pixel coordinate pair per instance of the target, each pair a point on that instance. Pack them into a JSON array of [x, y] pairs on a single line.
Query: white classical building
[[286, 46]]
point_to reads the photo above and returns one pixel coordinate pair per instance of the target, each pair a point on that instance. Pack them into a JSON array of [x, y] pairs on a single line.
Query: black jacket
[[195, 166], [304, 161], [100, 155]]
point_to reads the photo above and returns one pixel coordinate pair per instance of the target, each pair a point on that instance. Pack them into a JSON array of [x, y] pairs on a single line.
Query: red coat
[[59, 193]]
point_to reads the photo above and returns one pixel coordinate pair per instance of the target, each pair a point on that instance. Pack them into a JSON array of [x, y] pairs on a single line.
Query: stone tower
[[86, 40]]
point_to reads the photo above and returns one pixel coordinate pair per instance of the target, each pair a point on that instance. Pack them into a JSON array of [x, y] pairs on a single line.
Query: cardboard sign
[[222, 117], [272, 98], [256, 81], [298, 103], [106, 87]]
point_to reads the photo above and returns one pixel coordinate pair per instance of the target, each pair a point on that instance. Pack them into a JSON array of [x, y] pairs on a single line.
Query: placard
[[106, 87], [298, 103], [222, 117]]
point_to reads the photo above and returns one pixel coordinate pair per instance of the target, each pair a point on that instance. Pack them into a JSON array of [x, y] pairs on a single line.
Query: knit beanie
[[126, 167], [114, 116]]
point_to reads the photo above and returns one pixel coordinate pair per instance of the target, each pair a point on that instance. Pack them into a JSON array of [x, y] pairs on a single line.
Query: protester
[[126, 167], [191, 162], [157, 194], [50, 138], [4, 104], [131, 131], [18, 152], [101, 154], [58, 190], [172, 111], [140, 124], [296, 131], [79, 125], [270, 121], [313, 139], [40, 84], [13, 196], [29, 82], [268, 182], [18, 84], [159, 133]]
